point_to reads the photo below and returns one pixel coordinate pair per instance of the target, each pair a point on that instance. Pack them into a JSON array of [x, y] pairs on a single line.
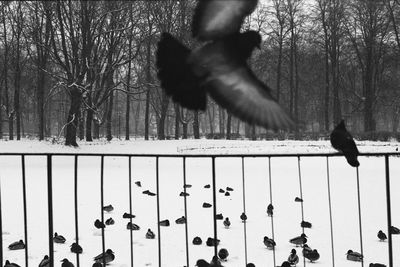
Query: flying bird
[[342, 141], [219, 68]]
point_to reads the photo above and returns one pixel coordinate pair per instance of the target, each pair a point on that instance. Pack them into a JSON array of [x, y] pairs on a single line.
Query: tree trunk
[[196, 127], [228, 126], [89, 120], [81, 127], [177, 116], [73, 114], [109, 115], [148, 80], [185, 130]]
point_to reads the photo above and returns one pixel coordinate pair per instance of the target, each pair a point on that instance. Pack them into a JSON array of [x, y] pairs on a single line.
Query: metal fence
[[184, 157]]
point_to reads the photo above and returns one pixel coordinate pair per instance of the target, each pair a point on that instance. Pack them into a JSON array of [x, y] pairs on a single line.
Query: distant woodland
[[84, 70]]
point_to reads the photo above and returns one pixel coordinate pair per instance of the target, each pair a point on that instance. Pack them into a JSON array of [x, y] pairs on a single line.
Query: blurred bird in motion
[[342, 141], [219, 67]]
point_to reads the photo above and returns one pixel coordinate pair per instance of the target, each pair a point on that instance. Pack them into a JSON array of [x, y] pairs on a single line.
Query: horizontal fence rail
[[184, 157]]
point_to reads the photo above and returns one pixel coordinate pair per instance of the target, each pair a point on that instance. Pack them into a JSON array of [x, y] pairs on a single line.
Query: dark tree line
[[85, 69]]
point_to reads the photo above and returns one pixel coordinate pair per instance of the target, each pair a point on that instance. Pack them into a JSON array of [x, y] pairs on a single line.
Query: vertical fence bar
[[330, 210], [25, 212], [76, 205], [359, 215], [301, 203], [50, 208], [244, 210], [130, 207], [270, 199], [158, 211], [103, 239], [389, 210], [214, 207], [185, 208], [1, 231]]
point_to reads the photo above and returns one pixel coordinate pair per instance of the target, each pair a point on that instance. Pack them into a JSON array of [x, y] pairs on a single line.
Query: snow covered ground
[[285, 187]]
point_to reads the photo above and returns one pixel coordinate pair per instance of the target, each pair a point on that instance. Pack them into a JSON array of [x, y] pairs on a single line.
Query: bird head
[[64, 260], [293, 251], [349, 251], [303, 235]]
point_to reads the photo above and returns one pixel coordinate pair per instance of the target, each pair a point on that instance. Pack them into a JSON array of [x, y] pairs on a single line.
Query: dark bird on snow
[[223, 254], [150, 234], [97, 264], [181, 220], [342, 141], [128, 216], [285, 264], [187, 186], [207, 205], [269, 242], [203, 263], [299, 240], [110, 221], [66, 263], [138, 183], [58, 238], [184, 194], [312, 255], [164, 222], [10, 264], [132, 226], [108, 208], [394, 230], [297, 199], [377, 265], [17, 245], [219, 216], [381, 235], [227, 222], [45, 262], [227, 194], [147, 192], [207, 186], [354, 256], [221, 190], [211, 242], [243, 217], [219, 68], [293, 259], [98, 224], [107, 257], [306, 249], [305, 224], [250, 265], [229, 188], [270, 210], [197, 241], [76, 248]]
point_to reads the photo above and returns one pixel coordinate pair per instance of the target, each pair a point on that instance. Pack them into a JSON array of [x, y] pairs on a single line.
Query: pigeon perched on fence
[[342, 141], [219, 68]]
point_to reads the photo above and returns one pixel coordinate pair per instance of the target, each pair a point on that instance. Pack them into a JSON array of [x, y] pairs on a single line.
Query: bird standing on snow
[[342, 141], [58, 238], [45, 261], [299, 240], [381, 235], [150, 234], [312, 255], [270, 210], [107, 256], [223, 254], [243, 216], [394, 230], [269, 242], [97, 264], [76, 248], [354, 256], [98, 224], [10, 264], [293, 259], [17, 245], [108, 208], [377, 265], [66, 263], [227, 222], [219, 68]]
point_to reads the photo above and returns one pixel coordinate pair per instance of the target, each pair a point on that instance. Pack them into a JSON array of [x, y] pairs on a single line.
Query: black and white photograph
[[200, 133]]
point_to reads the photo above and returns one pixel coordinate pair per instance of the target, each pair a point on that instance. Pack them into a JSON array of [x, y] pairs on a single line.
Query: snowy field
[[285, 187]]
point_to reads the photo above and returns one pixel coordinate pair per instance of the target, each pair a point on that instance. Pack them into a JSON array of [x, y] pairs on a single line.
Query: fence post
[[185, 208], [389, 210], [25, 212], [214, 207], [1, 231], [130, 207], [76, 204], [244, 210], [158, 211], [50, 208], [103, 239], [330, 210]]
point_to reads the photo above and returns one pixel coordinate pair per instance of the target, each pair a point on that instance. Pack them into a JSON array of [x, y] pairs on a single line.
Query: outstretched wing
[[215, 19], [238, 90], [175, 74]]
